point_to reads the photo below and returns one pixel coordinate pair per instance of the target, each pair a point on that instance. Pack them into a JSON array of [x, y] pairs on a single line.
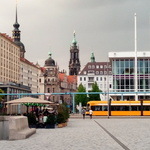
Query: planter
[[64, 124], [50, 126], [32, 126], [60, 125]]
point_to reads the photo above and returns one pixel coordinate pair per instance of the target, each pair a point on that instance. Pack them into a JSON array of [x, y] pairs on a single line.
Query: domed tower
[[49, 79], [16, 36], [74, 63]]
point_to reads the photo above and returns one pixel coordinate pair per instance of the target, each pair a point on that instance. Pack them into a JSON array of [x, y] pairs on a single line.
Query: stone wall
[[4, 132]]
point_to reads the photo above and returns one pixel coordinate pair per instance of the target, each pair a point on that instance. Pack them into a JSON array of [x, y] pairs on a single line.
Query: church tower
[[16, 36], [92, 57], [74, 63]]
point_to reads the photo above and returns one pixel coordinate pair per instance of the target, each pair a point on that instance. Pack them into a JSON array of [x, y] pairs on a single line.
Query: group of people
[[84, 113], [41, 116]]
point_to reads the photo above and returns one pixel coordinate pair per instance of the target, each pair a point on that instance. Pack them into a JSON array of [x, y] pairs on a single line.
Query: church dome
[[20, 44], [49, 61]]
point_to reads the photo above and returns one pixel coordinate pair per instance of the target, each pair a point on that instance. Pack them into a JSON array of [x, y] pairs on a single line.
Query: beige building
[[9, 59], [29, 75]]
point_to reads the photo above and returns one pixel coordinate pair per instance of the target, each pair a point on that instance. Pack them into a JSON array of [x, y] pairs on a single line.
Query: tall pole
[[108, 101], [73, 102], [135, 68]]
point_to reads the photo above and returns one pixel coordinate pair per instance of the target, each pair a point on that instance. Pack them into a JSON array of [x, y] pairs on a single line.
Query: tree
[[95, 88], [81, 98], [1, 96]]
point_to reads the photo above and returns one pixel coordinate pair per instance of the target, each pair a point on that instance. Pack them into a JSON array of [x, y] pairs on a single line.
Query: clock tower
[[74, 63]]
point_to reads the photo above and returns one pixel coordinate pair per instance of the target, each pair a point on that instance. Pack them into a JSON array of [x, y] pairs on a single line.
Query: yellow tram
[[119, 108]]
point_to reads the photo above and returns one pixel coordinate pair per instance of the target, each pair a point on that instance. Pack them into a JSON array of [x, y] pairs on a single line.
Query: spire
[[74, 41], [50, 54], [16, 31], [16, 35], [92, 57]]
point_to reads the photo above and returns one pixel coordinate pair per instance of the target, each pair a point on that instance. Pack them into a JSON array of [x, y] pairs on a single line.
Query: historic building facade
[[51, 80], [100, 72], [48, 80], [29, 75], [17, 74], [9, 59], [74, 63]]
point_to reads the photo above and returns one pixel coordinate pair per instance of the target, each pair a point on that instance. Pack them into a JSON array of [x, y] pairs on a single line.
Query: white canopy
[[29, 100]]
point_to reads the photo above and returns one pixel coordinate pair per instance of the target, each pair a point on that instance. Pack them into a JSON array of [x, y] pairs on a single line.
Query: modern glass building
[[124, 75]]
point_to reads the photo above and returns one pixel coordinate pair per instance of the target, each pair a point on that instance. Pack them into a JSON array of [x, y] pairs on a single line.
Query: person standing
[[83, 113], [90, 113]]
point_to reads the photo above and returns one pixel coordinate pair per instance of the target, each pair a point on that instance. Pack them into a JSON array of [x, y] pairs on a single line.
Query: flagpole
[[135, 68]]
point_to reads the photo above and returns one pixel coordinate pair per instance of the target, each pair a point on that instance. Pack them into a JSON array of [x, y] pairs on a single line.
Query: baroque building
[[52, 82], [49, 80], [74, 63], [29, 72], [100, 72]]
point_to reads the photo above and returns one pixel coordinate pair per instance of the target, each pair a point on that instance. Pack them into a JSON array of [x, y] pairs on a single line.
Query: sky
[[101, 26]]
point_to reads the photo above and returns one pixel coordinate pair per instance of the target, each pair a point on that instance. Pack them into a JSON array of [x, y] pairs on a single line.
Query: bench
[[19, 129]]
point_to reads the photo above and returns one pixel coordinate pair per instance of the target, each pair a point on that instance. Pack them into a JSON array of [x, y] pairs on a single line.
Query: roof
[[70, 78], [29, 100], [6, 36], [91, 67], [28, 62], [61, 76]]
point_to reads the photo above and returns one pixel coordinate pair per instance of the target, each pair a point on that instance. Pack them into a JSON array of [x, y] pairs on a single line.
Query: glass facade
[[124, 78]]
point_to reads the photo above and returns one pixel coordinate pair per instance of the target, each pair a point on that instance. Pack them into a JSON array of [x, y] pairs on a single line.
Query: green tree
[[1, 96], [81, 98], [95, 88]]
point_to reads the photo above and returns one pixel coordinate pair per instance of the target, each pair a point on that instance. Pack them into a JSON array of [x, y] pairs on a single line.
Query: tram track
[[112, 136]]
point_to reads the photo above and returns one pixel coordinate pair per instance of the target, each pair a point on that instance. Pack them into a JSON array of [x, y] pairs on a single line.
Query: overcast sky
[[101, 26]]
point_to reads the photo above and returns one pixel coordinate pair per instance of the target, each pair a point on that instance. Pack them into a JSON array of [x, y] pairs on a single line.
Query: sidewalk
[[88, 134]]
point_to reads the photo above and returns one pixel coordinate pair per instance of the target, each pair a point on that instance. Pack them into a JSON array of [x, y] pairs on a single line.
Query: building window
[[80, 78], [109, 85], [105, 72], [93, 66], [84, 72], [101, 72], [84, 78], [97, 72], [96, 78], [101, 79], [89, 66], [97, 66], [101, 86], [101, 66], [110, 72]]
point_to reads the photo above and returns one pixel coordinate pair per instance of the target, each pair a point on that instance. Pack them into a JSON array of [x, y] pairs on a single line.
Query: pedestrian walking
[[83, 113], [90, 113]]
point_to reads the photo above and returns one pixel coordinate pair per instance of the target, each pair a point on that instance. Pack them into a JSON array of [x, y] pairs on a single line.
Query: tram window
[[146, 108], [125, 108], [96, 108], [104, 108], [119, 108], [135, 108]]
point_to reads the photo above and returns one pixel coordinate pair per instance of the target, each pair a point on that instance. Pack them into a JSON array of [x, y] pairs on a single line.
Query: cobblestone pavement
[[88, 134]]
